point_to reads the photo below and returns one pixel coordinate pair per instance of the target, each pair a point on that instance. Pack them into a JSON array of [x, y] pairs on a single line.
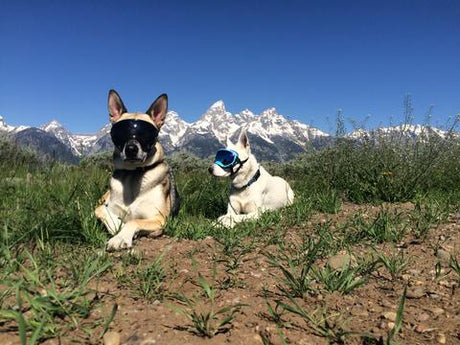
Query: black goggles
[[226, 158], [143, 132]]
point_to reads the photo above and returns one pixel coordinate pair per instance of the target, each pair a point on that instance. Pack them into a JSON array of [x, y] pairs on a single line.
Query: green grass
[[200, 311], [52, 246]]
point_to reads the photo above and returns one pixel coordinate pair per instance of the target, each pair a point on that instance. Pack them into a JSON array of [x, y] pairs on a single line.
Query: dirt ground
[[431, 314]]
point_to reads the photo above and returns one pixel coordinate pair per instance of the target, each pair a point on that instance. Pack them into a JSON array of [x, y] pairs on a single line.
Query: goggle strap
[[239, 167]]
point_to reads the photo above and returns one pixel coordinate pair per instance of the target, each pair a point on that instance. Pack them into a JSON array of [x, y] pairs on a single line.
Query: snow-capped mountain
[[406, 130], [5, 128], [217, 124], [272, 135]]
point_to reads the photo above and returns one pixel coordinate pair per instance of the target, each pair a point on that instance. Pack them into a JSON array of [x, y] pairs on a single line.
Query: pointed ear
[[243, 139], [158, 110], [116, 106]]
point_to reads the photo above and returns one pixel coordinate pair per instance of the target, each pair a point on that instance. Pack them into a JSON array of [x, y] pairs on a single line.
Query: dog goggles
[[226, 158], [143, 132]]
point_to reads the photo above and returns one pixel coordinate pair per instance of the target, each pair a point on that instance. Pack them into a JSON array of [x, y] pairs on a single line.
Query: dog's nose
[[210, 169], [131, 150]]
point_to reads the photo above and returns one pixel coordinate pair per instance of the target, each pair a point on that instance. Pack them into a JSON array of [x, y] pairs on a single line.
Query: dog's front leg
[[124, 239], [228, 219], [111, 221], [247, 216]]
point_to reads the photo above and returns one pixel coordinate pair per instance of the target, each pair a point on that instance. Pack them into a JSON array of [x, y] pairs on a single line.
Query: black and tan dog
[[142, 191]]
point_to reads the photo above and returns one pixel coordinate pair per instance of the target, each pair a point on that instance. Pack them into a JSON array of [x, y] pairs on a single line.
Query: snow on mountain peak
[[174, 127], [219, 104], [4, 127], [269, 112], [52, 126]]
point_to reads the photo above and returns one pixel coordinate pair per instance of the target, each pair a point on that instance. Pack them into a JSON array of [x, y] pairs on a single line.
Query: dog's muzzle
[[131, 150]]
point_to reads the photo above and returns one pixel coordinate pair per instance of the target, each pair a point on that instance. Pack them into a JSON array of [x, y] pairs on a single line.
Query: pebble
[[423, 317], [339, 261], [390, 315], [149, 341], [443, 255], [406, 277], [258, 339], [441, 338], [359, 312], [437, 311], [390, 325], [422, 328], [416, 292], [112, 338], [385, 303], [417, 283], [256, 275]]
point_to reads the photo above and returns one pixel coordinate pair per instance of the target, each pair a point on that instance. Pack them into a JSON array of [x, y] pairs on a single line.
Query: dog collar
[[141, 169], [251, 181]]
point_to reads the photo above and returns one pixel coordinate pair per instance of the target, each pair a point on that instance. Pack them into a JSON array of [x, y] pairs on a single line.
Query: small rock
[[386, 304], [339, 261], [149, 341], [256, 275], [416, 292], [423, 317], [390, 315], [437, 311], [390, 325], [417, 283], [304, 342], [258, 339], [422, 328], [406, 277], [441, 338], [443, 255], [112, 338], [359, 312]]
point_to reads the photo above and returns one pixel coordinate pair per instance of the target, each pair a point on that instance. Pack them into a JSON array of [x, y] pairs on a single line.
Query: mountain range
[[272, 136]]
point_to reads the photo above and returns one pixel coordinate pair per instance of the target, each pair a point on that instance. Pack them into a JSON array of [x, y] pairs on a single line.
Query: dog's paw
[[226, 221], [119, 242]]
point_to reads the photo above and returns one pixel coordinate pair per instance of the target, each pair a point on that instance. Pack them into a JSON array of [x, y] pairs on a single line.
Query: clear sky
[[58, 59]]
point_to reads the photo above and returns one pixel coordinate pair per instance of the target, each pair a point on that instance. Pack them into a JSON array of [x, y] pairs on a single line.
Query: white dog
[[253, 189]]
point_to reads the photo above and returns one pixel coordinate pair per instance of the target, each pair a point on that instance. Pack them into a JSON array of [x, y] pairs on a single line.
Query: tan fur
[[138, 201]]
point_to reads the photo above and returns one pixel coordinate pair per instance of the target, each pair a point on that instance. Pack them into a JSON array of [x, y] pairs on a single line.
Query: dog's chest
[[245, 202], [134, 195]]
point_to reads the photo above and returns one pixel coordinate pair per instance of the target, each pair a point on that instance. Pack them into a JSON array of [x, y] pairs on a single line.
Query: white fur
[[267, 193]]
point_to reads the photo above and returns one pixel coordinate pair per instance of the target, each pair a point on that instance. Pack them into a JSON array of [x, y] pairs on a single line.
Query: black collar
[[140, 169], [251, 181]]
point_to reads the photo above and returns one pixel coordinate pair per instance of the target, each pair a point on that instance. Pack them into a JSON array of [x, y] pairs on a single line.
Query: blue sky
[[58, 59]]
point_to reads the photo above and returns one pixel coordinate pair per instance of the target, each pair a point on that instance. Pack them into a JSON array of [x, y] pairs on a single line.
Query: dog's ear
[[243, 140], [158, 110], [116, 106]]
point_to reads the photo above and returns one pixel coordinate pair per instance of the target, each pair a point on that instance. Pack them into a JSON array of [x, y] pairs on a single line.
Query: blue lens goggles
[[226, 158]]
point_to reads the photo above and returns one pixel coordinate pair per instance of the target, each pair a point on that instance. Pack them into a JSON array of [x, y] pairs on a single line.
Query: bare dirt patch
[[431, 314]]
